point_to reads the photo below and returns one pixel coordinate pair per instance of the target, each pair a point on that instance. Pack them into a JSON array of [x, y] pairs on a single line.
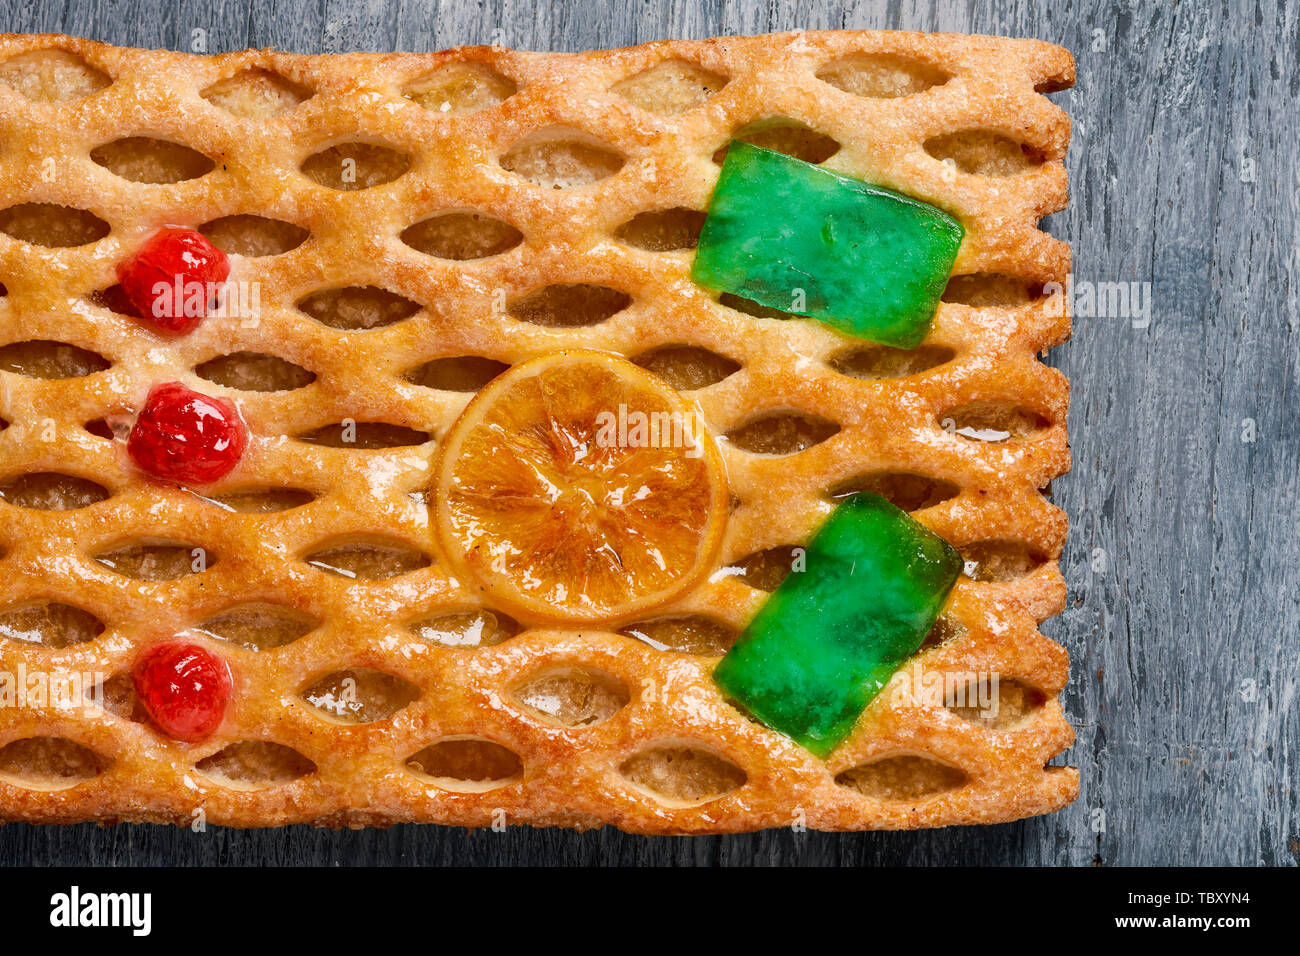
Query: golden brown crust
[[570, 776]]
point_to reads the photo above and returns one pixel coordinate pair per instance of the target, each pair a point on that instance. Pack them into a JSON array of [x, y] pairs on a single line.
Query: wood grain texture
[[1184, 618]]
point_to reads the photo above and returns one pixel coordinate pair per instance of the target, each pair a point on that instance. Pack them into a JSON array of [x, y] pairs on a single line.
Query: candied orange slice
[[577, 487]]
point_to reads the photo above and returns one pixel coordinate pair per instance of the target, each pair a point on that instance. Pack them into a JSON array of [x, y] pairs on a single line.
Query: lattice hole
[[114, 299], [259, 626], [357, 308], [256, 94], [904, 777], [881, 75], [157, 561], [364, 436], [784, 136], [562, 159], [467, 764], [460, 88], [992, 421], [372, 560], [262, 501], [782, 433], [945, 630], [663, 230], [255, 765], [875, 362], [906, 490], [143, 159], [118, 697], [670, 88], [461, 373], [50, 76], [981, 289], [51, 225], [984, 153], [51, 491], [254, 236], [573, 697], [1000, 560], [360, 695], [49, 763], [349, 166], [687, 634], [750, 307], [1013, 704], [462, 236], [102, 428], [569, 305], [681, 775], [42, 358], [687, 367], [255, 372], [766, 569], [49, 624], [476, 628]]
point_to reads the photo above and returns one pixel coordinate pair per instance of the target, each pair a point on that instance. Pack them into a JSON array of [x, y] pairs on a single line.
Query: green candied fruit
[[830, 637], [791, 236]]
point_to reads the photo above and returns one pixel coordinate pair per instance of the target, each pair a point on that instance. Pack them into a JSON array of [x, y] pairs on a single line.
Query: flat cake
[[408, 587]]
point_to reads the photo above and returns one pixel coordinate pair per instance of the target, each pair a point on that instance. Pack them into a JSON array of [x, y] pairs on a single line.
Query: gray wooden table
[[1184, 614]]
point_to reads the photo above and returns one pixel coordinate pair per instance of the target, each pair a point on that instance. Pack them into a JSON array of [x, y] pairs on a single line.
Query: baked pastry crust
[[581, 776]]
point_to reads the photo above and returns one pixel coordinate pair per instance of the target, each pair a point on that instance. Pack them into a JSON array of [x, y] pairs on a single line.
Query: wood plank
[[1184, 177]]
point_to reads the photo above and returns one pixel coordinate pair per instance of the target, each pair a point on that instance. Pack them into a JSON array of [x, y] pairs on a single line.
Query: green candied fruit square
[[832, 635], [789, 235]]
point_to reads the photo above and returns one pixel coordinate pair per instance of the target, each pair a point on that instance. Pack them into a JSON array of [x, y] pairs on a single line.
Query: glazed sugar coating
[[401, 228]]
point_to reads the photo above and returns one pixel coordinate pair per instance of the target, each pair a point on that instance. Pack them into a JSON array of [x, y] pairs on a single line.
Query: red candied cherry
[[174, 278], [184, 688], [186, 436]]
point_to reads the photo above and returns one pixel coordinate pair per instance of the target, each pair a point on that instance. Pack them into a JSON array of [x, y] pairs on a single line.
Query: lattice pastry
[[402, 228]]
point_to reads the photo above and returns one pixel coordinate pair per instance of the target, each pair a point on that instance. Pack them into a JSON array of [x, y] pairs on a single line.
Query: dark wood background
[[1184, 615]]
